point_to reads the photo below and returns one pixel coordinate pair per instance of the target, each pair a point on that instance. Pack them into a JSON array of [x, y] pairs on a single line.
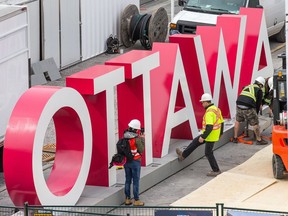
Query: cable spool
[[147, 28]]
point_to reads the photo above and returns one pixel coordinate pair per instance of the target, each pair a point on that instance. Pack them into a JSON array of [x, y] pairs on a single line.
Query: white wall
[[72, 30], [99, 21], [13, 60], [33, 25]]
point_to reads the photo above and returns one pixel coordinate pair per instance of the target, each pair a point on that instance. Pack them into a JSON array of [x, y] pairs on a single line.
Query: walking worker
[[212, 129], [248, 107], [132, 168]]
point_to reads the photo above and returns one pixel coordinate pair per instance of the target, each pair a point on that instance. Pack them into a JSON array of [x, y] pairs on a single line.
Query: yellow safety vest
[[249, 91], [212, 116], [267, 100], [266, 93]]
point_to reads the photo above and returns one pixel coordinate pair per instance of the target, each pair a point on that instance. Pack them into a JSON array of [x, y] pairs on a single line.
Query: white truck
[[205, 12]]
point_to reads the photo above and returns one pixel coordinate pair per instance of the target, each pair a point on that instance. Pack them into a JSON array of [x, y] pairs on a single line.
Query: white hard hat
[[135, 124], [261, 80], [270, 82], [206, 97]]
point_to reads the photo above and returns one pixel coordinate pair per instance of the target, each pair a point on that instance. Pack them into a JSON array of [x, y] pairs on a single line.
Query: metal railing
[[110, 210], [8, 211], [217, 210]]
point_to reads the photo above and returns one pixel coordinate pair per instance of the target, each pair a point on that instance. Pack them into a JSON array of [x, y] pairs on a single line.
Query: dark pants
[[132, 172], [208, 152]]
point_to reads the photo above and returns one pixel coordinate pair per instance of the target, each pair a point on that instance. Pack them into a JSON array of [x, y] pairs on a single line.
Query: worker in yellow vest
[[248, 106], [212, 129]]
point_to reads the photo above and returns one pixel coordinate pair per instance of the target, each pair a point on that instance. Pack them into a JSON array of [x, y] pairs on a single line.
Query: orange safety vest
[[133, 148]]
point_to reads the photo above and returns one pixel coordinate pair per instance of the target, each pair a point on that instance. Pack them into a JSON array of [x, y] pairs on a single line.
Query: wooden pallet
[[48, 152], [49, 148], [46, 157]]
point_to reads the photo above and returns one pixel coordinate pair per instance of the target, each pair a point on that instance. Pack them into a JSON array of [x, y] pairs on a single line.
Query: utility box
[[14, 60]]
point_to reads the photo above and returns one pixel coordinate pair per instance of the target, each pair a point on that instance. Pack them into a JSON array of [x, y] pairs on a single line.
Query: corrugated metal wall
[[34, 31], [51, 30], [145, 1], [99, 21], [34, 25], [13, 60], [72, 30], [61, 32]]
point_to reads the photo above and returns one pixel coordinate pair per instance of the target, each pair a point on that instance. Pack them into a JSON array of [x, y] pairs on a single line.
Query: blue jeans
[[132, 171]]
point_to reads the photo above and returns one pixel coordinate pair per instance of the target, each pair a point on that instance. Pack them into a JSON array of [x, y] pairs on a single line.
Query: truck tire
[[281, 36], [278, 167]]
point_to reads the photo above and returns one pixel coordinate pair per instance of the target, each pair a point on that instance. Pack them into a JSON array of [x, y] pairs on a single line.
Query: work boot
[[235, 140], [261, 142], [138, 203], [213, 173], [179, 153], [128, 201]]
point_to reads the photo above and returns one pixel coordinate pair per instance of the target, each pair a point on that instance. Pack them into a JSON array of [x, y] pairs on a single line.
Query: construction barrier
[[217, 210]]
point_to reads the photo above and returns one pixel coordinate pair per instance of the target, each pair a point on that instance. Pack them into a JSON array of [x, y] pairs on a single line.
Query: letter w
[[223, 54]]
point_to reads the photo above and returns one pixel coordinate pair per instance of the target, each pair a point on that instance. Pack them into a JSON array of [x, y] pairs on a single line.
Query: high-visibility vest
[[267, 97], [133, 148], [212, 116], [267, 100], [249, 91]]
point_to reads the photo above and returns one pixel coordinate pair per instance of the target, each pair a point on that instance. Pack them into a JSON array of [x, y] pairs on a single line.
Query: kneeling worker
[[212, 129], [248, 107]]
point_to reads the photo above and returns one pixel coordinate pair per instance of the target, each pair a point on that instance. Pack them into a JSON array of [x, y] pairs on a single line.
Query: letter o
[[24, 140]]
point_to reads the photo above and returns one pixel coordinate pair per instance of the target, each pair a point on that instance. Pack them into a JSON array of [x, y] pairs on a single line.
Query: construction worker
[[268, 94], [132, 168], [212, 129], [248, 107]]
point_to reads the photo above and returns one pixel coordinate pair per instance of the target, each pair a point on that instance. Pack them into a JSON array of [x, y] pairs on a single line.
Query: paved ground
[[194, 176], [250, 185]]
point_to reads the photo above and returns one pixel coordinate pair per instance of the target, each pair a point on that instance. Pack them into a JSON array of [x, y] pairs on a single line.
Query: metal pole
[[26, 209], [172, 10], [219, 209]]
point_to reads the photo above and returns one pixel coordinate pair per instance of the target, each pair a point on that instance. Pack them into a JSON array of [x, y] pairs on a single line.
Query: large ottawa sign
[[161, 88]]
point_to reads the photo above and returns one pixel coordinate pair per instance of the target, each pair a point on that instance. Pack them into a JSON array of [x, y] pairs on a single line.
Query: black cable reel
[[147, 28]]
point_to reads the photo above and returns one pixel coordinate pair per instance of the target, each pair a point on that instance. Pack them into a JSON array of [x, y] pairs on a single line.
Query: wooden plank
[[48, 152], [49, 148], [46, 157]]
